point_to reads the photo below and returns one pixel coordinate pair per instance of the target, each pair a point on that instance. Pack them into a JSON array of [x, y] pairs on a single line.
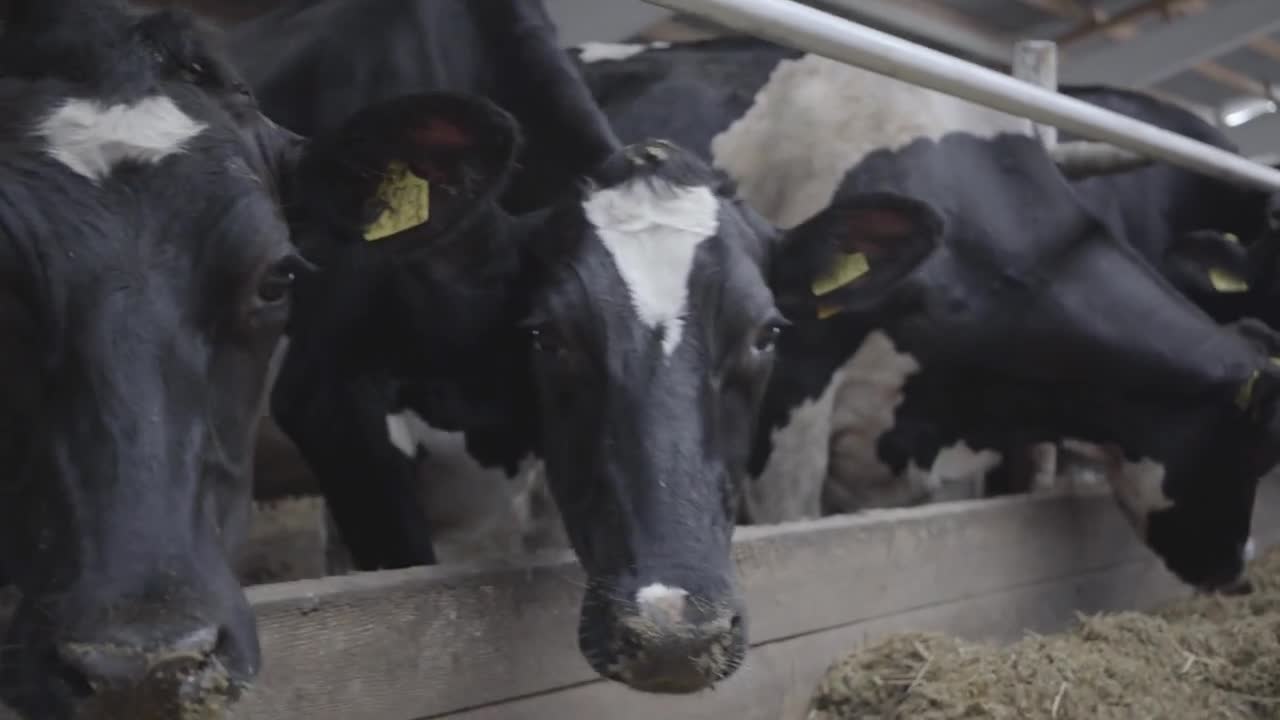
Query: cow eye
[[547, 343], [278, 281], [543, 341], [767, 337]]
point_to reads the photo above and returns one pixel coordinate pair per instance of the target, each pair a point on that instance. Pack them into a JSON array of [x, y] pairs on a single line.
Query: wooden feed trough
[[499, 642], [480, 643]]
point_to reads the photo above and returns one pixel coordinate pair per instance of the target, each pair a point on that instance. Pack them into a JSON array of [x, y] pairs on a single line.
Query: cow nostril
[[735, 624], [223, 646], [229, 653]]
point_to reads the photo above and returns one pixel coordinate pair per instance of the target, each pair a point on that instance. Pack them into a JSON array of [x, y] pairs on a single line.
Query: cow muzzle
[[664, 639], [184, 678], [1233, 584], [153, 666]]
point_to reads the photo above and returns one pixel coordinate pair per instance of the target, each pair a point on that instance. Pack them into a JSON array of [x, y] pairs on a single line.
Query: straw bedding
[[1203, 657]]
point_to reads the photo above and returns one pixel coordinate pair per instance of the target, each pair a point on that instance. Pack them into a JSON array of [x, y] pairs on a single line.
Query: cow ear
[[849, 257], [426, 163], [1209, 262]]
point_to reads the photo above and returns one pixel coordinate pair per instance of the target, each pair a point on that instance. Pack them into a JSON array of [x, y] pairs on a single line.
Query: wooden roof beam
[[1175, 47]]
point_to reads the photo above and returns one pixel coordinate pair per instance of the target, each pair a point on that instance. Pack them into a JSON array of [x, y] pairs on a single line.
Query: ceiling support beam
[[932, 24], [1176, 46], [1257, 137], [582, 21]]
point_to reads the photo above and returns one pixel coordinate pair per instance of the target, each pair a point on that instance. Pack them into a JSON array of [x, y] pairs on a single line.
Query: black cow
[[146, 273], [144, 278], [1037, 322], [312, 63]]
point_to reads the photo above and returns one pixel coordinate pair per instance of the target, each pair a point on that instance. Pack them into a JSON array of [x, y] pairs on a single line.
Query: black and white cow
[[144, 277], [621, 336], [1216, 241], [146, 274], [343, 55], [1038, 322]]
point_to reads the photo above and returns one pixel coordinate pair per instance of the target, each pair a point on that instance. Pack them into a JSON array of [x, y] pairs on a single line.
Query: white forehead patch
[[652, 230], [590, 52], [92, 138]]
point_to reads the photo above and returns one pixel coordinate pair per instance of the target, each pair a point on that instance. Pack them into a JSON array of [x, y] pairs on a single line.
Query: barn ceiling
[[1219, 57]]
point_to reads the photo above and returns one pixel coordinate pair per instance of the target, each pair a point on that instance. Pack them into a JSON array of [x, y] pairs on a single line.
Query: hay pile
[[1205, 657]]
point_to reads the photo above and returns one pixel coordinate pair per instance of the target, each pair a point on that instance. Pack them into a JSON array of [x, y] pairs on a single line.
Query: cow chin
[[177, 686], [1207, 558], [187, 653], [660, 639], [175, 691]]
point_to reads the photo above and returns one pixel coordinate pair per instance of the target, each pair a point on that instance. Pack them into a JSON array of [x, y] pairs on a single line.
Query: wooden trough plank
[[425, 642], [779, 679]]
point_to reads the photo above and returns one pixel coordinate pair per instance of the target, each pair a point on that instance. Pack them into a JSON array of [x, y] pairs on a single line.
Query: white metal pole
[[807, 29]]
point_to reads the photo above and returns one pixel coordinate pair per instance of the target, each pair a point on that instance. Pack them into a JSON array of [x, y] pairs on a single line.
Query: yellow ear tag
[[1245, 396], [1275, 361], [1231, 238], [406, 200], [849, 267], [826, 311], [1225, 282]]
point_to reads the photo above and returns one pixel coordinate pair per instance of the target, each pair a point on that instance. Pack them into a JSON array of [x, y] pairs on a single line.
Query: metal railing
[[807, 29]]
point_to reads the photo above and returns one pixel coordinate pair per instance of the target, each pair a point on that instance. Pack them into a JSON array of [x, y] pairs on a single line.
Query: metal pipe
[[801, 27]]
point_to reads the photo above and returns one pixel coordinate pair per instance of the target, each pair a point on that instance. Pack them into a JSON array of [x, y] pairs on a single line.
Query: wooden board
[[483, 643], [428, 642], [779, 679]]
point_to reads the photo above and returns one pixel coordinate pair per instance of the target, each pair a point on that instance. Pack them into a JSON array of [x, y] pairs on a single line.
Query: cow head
[[145, 274], [1216, 240], [653, 328], [646, 324], [1189, 472], [1230, 277], [1054, 298]]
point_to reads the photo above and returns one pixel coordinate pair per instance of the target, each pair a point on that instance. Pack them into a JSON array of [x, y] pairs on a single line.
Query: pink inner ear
[[872, 229], [440, 133]]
